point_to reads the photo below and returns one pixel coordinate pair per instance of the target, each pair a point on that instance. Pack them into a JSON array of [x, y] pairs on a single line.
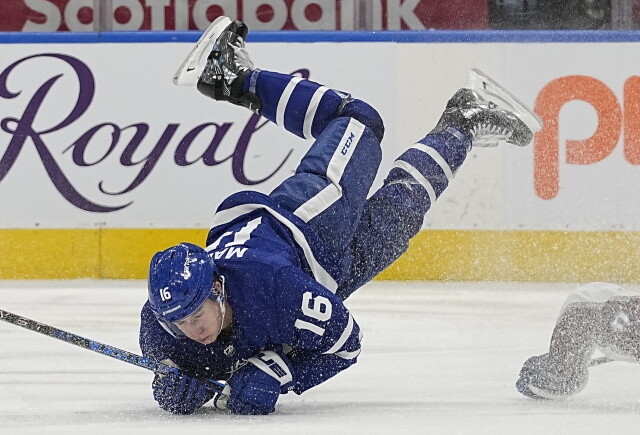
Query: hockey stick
[[104, 349]]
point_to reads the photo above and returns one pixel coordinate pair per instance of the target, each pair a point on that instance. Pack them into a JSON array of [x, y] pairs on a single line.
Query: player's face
[[204, 324]]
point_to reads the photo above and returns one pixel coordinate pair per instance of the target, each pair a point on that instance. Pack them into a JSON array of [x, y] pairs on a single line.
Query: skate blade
[[192, 67], [492, 142], [491, 90]]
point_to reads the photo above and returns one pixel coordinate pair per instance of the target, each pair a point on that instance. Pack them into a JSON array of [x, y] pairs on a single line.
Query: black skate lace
[[224, 65], [232, 62], [243, 60]]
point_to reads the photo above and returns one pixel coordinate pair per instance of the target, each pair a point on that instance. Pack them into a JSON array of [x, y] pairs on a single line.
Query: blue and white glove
[[540, 378], [180, 394], [255, 387]]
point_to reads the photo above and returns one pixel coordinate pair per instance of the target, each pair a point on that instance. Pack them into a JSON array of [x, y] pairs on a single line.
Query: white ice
[[437, 358]]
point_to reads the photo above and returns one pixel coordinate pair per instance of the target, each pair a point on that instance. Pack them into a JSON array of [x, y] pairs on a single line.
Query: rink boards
[[103, 161]]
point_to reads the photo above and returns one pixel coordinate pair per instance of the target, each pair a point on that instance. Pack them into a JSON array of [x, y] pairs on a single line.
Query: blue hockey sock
[[432, 162], [300, 106]]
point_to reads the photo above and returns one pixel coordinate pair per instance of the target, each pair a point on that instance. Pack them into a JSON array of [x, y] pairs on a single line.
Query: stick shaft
[[101, 348]]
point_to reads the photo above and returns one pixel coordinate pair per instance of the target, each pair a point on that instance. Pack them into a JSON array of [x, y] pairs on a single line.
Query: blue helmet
[[181, 279]]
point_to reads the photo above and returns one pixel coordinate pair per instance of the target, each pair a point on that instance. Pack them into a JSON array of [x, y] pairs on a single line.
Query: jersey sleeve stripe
[[343, 338], [349, 355]]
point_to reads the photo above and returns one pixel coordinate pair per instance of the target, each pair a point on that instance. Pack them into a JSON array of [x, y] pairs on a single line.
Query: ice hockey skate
[[492, 91], [218, 64], [192, 67], [483, 121]]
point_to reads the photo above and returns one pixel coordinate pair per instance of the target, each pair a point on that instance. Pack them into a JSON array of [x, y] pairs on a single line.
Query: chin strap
[[221, 301]]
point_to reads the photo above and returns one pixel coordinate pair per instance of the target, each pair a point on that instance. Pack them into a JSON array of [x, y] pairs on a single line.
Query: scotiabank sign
[[131, 15]]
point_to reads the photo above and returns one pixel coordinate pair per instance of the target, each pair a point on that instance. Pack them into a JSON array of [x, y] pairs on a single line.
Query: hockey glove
[[618, 332], [180, 394], [256, 386], [540, 378]]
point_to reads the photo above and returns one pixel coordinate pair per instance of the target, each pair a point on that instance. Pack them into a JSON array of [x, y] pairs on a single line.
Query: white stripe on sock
[[284, 100], [436, 157], [253, 80], [418, 177], [311, 111]]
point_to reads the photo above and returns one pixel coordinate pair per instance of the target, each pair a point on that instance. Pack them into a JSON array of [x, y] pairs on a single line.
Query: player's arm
[[323, 334], [322, 340], [597, 315], [178, 394], [618, 335], [322, 337]]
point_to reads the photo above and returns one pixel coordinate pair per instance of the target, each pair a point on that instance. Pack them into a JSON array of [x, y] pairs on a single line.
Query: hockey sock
[[432, 162], [302, 107]]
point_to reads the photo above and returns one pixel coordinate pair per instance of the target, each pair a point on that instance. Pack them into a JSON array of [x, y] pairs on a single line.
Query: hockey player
[[595, 316], [261, 306]]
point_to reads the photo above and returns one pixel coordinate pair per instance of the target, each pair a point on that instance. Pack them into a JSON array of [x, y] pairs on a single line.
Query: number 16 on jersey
[[318, 308]]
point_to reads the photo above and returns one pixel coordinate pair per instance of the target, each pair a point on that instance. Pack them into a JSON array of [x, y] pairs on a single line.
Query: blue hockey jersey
[[280, 284]]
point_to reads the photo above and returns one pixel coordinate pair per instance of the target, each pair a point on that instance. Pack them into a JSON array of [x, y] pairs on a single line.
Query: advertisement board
[[99, 147], [131, 15], [97, 133], [581, 172]]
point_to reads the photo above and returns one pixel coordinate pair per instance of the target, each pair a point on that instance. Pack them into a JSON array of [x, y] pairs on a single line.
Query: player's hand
[[180, 394], [540, 378], [620, 327], [252, 392], [255, 387]]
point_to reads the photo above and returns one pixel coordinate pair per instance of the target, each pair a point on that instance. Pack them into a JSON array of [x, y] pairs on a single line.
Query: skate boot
[[483, 121], [219, 63], [492, 91]]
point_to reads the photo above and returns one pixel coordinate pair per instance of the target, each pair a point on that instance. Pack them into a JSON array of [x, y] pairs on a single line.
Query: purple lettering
[[22, 128], [101, 141], [208, 157]]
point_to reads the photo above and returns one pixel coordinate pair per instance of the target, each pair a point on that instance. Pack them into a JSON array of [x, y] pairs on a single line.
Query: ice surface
[[437, 358]]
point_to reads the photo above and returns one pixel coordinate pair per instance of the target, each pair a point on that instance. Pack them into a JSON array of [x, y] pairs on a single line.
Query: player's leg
[[221, 68], [394, 214], [327, 187], [618, 335], [563, 371], [333, 179]]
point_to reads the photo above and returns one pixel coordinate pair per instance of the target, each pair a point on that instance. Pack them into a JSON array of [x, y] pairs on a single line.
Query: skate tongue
[[492, 91]]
